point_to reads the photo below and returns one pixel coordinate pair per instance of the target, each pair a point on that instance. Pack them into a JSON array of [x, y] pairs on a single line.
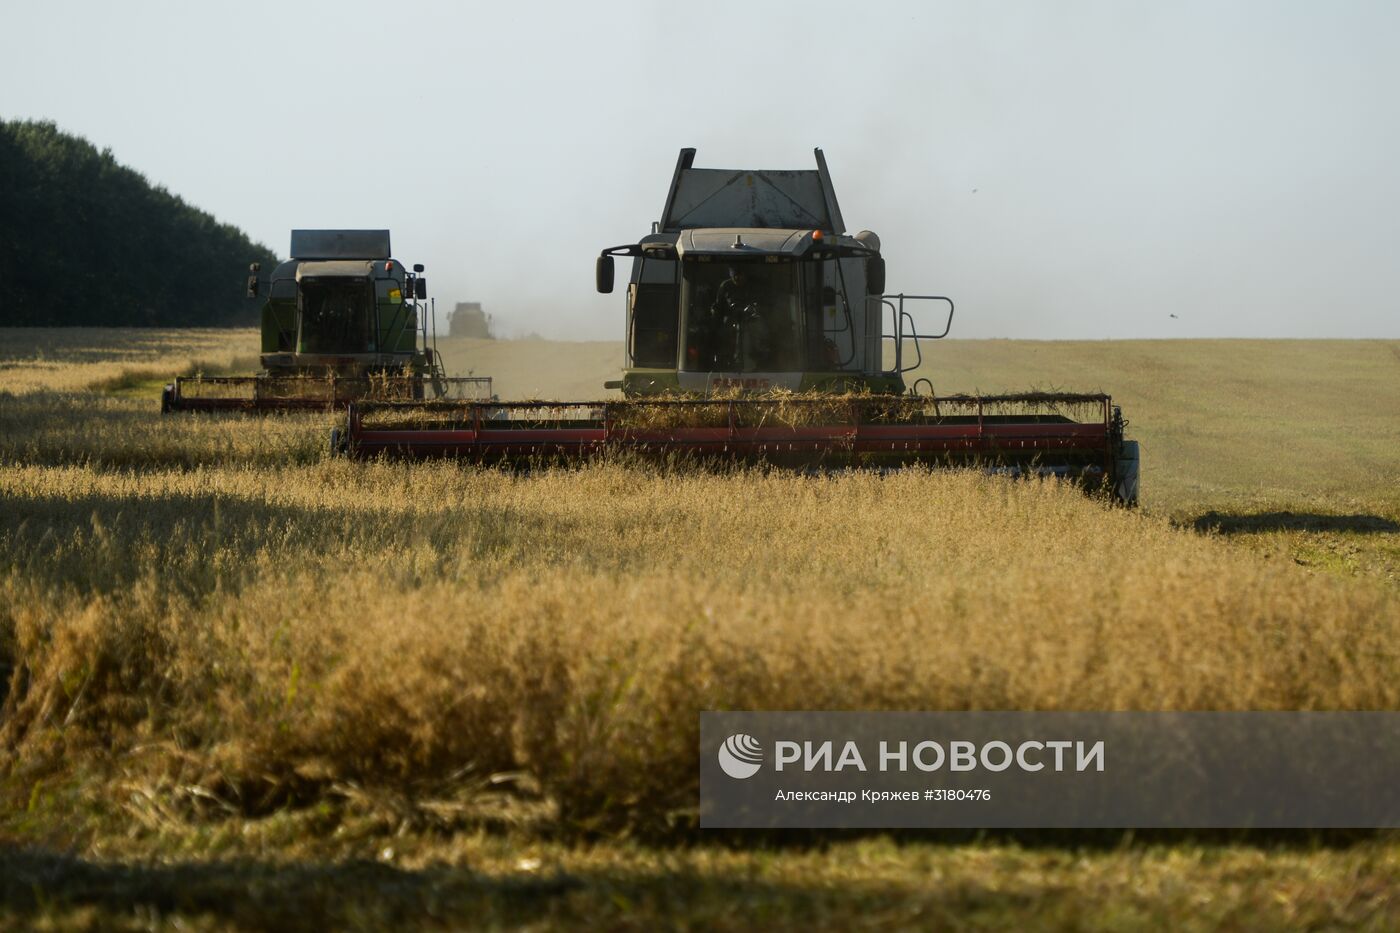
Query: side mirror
[[253, 279], [875, 275], [603, 273], [418, 267], [420, 288]]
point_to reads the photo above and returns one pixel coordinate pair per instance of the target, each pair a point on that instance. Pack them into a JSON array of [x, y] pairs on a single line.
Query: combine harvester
[[342, 321], [758, 330]]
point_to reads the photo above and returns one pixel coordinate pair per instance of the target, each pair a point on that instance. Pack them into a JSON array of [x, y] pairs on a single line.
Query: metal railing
[[903, 327]]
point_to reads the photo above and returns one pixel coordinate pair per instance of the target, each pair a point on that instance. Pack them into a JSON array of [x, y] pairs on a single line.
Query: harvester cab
[[342, 319], [750, 283], [342, 304]]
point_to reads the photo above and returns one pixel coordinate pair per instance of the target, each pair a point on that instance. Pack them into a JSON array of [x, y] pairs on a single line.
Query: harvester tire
[[337, 446], [1125, 485]]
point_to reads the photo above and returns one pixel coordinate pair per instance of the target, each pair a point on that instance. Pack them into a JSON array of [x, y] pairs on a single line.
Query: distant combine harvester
[[468, 320]]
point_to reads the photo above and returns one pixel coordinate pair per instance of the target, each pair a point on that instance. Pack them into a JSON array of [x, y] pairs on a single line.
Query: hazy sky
[[1062, 169]]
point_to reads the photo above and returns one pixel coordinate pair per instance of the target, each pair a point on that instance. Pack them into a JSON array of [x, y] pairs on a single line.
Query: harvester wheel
[[337, 446], [1125, 486]]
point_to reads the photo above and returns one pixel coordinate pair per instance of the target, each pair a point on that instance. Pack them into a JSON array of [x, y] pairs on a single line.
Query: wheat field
[[439, 695]]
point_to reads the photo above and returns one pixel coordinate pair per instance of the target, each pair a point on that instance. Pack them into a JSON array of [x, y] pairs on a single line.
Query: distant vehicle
[[469, 320]]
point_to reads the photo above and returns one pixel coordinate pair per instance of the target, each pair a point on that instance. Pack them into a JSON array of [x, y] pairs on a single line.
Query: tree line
[[86, 241]]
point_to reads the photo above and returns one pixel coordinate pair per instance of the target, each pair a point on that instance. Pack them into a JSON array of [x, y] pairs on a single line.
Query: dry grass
[[331, 623], [1312, 425], [480, 881], [221, 645], [71, 359]]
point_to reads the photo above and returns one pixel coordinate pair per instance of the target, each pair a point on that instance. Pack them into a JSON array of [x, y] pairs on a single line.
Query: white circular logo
[[740, 756]]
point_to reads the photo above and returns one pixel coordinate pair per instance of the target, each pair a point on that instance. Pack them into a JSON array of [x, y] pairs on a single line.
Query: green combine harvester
[[759, 329], [343, 320]]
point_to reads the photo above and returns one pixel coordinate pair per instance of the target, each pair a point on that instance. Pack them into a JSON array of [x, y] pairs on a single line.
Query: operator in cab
[[735, 301], [740, 312], [735, 295]]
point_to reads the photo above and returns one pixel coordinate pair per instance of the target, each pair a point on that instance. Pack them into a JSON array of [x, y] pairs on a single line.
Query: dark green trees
[[87, 241]]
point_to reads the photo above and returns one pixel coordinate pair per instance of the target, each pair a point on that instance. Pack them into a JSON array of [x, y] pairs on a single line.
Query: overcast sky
[[1062, 169]]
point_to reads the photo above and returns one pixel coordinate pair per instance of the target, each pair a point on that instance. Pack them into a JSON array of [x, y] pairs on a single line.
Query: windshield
[[757, 316], [741, 317], [337, 316]]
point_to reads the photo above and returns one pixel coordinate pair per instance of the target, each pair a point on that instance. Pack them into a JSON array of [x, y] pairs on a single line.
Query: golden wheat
[[215, 639], [302, 626], [267, 622], [68, 359]]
